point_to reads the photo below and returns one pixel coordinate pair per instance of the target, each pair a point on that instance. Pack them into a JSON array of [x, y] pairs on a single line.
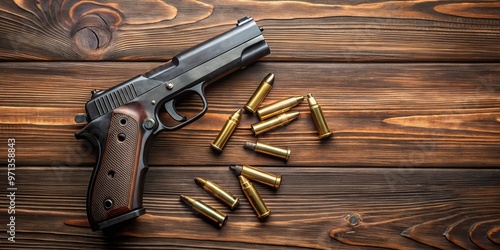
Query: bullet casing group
[[245, 173], [271, 116]]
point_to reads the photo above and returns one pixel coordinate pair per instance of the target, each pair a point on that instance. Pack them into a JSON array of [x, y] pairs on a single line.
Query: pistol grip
[[117, 182]]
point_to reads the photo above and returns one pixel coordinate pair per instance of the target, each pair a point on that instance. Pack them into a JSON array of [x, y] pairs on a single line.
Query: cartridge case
[[318, 118], [258, 175], [260, 93], [218, 192], [272, 123], [278, 107], [283, 153], [226, 131], [254, 198], [212, 214]]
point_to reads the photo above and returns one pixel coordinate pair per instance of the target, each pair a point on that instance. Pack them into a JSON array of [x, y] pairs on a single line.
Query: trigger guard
[[199, 89], [170, 108]]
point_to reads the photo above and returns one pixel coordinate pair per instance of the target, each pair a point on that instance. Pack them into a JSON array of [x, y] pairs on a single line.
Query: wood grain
[[389, 115], [478, 233], [311, 204], [457, 232], [425, 231], [494, 234], [336, 30]]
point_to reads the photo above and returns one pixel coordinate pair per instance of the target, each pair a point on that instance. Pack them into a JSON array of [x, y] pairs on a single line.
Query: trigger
[[169, 106]]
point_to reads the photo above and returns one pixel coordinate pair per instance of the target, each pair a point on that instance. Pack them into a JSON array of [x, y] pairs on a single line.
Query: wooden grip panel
[[112, 193]]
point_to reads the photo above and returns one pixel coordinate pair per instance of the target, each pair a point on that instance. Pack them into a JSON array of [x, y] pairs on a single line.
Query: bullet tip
[[236, 168], [237, 114], [293, 115], [269, 78], [249, 145], [187, 200], [298, 99], [200, 181], [311, 100], [183, 198], [242, 178], [244, 181]]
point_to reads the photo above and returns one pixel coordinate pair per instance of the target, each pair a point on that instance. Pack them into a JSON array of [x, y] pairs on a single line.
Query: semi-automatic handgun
[[123, 119]]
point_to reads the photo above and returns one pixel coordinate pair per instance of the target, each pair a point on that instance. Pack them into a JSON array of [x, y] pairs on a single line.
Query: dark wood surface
[[410, 90]]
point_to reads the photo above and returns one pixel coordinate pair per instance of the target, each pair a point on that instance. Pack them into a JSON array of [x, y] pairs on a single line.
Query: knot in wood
[[353, 219], [91, 33]]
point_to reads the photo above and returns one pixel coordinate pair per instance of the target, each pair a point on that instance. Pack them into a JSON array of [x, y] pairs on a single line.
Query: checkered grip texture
[[114, 177]]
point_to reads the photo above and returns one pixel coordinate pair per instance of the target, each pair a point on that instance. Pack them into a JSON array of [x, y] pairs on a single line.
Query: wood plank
[[394, 115], [315, 207], [377, 30]]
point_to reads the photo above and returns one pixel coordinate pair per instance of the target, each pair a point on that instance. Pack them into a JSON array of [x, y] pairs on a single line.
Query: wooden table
[[410, 90]]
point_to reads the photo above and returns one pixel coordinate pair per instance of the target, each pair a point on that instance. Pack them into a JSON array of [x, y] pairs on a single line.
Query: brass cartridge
[[260, 93], [318, 118], [219, 193], [258, 175], [254, 198], [207, 211], [272, 123], [278, 107], [226, 131], [283, 153]]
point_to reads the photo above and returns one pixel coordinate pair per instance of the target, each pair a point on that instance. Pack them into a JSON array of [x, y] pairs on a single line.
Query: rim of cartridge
[[235, 204], [264, 215], [216, 147], [277, 183], [250, 109], [288, 152], [325, 135], [220, 224]]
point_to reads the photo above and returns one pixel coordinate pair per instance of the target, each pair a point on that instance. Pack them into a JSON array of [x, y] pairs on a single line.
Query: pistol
[[122, 120]]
